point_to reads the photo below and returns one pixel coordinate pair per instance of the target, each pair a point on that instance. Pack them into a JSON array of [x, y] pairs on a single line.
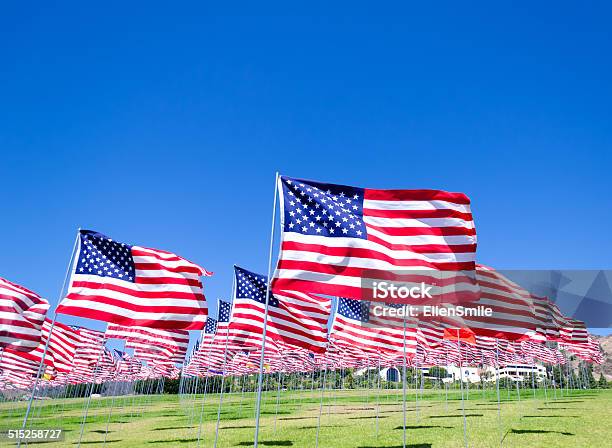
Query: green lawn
[[577, 419]]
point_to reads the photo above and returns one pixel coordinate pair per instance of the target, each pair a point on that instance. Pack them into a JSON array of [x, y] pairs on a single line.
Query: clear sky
[[163, 124]]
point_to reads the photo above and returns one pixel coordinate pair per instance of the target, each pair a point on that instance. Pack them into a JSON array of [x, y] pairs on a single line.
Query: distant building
[[517, 372]]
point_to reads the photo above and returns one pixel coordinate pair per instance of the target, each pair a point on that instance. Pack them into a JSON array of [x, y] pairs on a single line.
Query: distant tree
[[349, 380], [438, 372], [602, 383]]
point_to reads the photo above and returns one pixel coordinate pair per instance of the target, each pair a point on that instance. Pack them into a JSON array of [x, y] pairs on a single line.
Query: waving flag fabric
[[22, 313], [294, 318], [134, 286], [174, 339], [514, 311], [356, 326], [90, 347], [62, 346], [334, 236]]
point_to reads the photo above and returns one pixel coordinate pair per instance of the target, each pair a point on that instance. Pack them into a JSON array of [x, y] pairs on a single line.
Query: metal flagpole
[[90, 392], [378, 396], [499, 422], [223, 373], [202, 409], [42, 361], [465, 441], [113, 399], [321, 405], [277, 398], [416, 389], [263, 346], [446, 378], [404, 383]]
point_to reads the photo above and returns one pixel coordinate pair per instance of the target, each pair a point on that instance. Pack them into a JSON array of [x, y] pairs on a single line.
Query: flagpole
[[277, 398], [265, 323], [224, 367], [90, 392], [499, 422], [110, 412], [42, 361], [465, 441], [378, 396], [321, 405], [404, 383]]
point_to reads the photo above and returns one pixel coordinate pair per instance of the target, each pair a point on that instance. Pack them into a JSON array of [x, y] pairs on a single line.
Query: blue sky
[[164, 125]]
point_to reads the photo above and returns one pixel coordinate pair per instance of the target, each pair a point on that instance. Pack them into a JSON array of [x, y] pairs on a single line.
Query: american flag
[[89, 346], [335, 236], [134, 286], [210, 329], [127, 366], [590, 350], [222, 336], [150, 351], [177, 340], [88, 353], [294, 318], [62, 346], [514, 309], [575, 332], [17, 370], [22, 313], [212, 351], [356, 326]]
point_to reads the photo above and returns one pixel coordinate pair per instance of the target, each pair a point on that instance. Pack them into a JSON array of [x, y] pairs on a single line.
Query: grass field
[[348, 419]]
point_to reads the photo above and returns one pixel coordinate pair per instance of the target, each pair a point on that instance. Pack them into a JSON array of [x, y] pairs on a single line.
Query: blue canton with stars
[[313, 208], [211, 326], [225, 311], [252, 286], [100, 255], [354, 309]]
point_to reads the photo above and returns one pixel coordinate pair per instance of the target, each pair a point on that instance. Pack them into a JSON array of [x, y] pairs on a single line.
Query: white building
[[469, 374], [517, 372]]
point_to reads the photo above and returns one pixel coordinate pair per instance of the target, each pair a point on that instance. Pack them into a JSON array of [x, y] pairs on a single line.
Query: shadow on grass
[[415, 445], [172, 427], [424, 427], [368, 417], [565, 401], [238, 427], [550, 416], [539, 431], [174, 440], [552, 409], [268, 443], [455, 415], [297, 418], [89, 442]]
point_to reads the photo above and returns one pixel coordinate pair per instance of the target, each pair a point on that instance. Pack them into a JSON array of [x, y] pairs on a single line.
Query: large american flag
[[335, 236], [294, 318], [134, 286], [22, 313]]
